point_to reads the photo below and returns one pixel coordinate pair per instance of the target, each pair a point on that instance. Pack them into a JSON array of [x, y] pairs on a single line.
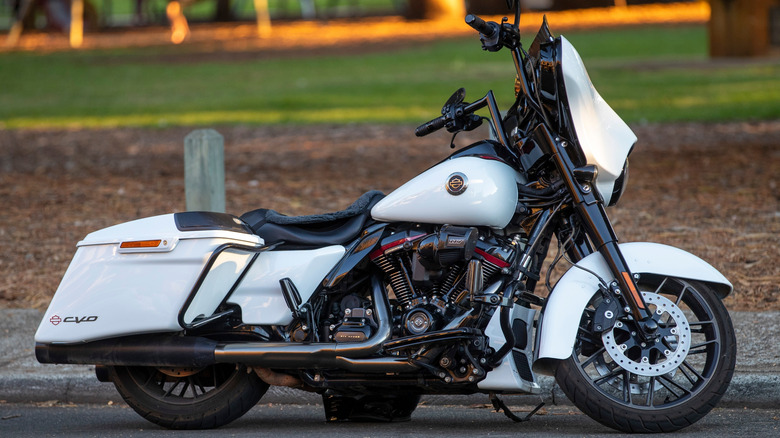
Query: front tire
[[183, 398], [637, 388]]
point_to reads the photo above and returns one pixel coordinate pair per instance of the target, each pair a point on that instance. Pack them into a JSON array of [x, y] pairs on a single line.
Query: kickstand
[[499, 405]]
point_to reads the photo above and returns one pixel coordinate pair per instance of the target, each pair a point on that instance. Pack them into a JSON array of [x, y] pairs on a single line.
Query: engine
[[434, 274]]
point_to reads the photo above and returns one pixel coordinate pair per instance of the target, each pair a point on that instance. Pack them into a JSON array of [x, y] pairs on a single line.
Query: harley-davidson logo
[[457, 183], [55, 320]]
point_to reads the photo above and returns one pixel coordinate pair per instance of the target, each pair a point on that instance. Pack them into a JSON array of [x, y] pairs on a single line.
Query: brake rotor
[[661, 355], [179, 371]]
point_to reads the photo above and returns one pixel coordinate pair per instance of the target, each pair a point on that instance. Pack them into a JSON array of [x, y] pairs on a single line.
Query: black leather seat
[[314, 231]]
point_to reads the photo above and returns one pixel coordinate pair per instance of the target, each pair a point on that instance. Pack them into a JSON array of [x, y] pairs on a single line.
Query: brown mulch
[[708, 188]]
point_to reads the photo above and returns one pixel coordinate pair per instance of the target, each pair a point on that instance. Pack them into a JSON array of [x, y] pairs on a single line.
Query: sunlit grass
[[330, 115]]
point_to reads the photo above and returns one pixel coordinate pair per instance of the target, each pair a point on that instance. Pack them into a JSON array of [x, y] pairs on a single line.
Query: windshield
[[605, 139]]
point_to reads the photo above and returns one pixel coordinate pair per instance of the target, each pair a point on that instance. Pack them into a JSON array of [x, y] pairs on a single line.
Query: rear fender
[[561, 315]]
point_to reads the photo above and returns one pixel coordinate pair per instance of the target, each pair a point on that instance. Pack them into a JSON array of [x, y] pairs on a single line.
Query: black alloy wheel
[[189, 398], [658, 383]]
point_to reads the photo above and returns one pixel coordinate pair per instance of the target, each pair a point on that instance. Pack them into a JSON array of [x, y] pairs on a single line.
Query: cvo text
[[80, 319]]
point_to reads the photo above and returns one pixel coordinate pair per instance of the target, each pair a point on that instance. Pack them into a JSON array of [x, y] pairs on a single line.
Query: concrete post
[[204, 170]]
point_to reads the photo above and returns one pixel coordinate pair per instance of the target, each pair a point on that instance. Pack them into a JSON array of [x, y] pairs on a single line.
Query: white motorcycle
[[432, 289]]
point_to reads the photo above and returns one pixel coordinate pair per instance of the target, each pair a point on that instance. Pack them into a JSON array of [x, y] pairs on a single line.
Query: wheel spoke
[[184, 389], [661, 286], [679, 298], [593, 358], [650, 392], [585, 335], [701, 326], [665, 378], [699, 377], [665, 385], [692, 370], [627, 387], [195, 386], [700, 322], [170, 390], [600, 381], [192, 385], [703, 347]]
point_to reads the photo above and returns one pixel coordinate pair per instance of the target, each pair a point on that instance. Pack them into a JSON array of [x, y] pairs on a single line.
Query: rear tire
[[180, 398], [621, 397]]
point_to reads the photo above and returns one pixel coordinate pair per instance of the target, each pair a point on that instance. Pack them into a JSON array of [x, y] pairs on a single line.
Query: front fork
[[594, 220], [590, 209], [599, 229]]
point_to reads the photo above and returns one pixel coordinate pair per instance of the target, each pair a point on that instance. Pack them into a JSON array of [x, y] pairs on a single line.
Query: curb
[[747, 390]]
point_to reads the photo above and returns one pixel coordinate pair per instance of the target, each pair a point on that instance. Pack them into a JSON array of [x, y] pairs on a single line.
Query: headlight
[[620, 185]]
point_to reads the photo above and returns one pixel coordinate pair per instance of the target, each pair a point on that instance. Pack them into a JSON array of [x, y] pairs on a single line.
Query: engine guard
[[561, 315]]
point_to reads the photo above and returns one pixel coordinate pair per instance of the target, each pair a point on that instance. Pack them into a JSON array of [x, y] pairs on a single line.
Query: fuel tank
[[470, 191]]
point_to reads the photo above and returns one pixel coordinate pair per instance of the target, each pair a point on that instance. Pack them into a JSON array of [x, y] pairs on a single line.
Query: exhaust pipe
[[349, 356], [180, 351], [150, 351]]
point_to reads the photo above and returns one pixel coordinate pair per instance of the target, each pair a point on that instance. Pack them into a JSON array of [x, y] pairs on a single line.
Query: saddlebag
[[156, 274]]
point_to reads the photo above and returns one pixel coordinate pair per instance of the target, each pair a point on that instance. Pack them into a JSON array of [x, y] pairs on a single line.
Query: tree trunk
[[434, 9], [741, 27]]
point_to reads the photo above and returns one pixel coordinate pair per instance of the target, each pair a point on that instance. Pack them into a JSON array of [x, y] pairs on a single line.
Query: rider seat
[[313, 231]]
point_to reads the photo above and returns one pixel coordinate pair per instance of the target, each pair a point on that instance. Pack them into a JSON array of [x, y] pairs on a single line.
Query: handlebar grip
[[481, 25], [429, 127]]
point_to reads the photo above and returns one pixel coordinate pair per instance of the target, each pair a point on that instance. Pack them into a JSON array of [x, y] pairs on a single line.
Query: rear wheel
[[660, 384], [189, 398]]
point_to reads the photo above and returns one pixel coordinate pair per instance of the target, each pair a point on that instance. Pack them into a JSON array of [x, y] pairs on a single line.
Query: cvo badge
[[457, 183]]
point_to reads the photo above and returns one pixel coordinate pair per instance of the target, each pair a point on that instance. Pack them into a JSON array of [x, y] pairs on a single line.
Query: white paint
[[135, 292], [604, 137], [489, 199], [260, 295]]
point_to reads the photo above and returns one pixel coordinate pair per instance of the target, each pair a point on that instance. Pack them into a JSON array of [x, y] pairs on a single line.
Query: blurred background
[[317, 101], [156, 62]]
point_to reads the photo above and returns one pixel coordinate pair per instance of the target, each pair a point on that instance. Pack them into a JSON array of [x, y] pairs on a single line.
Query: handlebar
[[488, 29], [458, 113], [494, 36], [431, 126]]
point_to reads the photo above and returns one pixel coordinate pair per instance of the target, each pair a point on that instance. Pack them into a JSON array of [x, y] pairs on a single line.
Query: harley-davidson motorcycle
[[432, 289]]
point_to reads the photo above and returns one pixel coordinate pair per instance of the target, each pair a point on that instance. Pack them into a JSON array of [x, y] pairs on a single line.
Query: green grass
[[664, 74], [647, 74]]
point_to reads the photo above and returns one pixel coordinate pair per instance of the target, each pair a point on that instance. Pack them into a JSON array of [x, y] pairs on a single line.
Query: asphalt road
[[283, 420]]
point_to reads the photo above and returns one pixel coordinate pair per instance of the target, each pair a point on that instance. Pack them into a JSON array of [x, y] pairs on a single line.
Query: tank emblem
[[457, 183]]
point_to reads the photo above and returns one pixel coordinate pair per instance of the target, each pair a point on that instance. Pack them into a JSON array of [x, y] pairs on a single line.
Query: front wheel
[[660, 384], [189, 398]]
